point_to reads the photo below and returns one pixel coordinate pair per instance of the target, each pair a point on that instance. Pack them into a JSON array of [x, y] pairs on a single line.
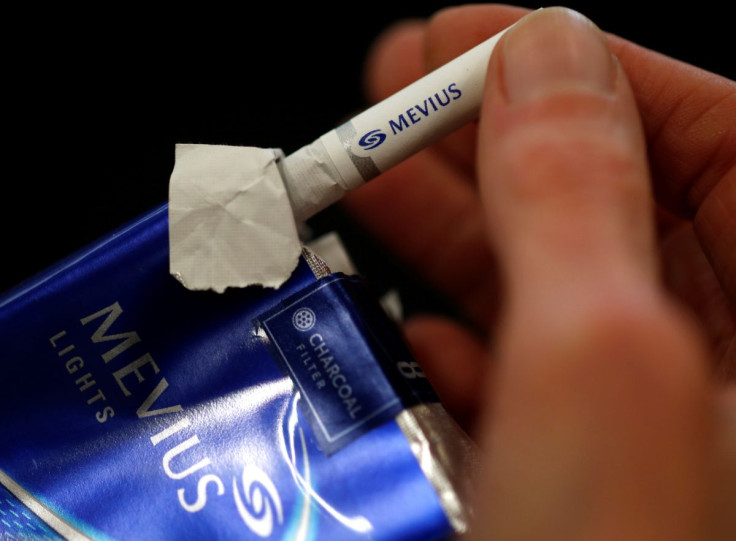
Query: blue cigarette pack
[[133, 408]]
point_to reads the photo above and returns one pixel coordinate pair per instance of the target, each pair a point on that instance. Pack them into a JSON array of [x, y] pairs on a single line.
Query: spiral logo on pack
[[259, 505]]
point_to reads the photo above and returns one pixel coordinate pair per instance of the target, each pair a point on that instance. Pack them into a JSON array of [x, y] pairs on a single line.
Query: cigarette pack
[[133, 408]]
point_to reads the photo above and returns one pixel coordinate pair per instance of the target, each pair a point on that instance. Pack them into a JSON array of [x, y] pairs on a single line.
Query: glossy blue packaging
[[133, 408]]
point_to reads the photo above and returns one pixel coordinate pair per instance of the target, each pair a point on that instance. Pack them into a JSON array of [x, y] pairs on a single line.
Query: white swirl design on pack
[[262, 505]]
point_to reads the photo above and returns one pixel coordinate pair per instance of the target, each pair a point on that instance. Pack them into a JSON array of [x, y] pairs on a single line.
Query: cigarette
[[384, 135], [230, 208]]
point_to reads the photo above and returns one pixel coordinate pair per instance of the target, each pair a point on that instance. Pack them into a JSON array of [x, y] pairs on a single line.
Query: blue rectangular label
[[351, 378]]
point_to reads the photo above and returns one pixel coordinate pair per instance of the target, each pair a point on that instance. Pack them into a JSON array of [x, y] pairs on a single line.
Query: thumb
[[600, 402], [562, 159]]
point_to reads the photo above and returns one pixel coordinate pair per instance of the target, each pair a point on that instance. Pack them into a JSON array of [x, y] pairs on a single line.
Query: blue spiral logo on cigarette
[[372, 139]]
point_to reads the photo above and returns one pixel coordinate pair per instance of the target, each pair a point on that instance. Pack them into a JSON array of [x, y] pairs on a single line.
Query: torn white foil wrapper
[[230, 219]]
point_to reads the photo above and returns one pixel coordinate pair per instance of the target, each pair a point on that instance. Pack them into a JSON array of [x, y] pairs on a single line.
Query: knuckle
[[545, 164], [644, 349], [568, 145]]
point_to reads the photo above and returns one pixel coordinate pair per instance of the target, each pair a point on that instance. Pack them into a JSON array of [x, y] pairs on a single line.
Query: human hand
[[602, 379]]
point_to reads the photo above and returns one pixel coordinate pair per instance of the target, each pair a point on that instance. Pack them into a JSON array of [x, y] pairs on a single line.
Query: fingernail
[[553, 49]]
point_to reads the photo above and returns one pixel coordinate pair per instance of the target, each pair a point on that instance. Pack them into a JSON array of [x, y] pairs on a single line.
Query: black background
[[97, 99]]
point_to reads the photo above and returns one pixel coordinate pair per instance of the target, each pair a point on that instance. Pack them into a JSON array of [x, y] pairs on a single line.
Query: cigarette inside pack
[[134, 408]]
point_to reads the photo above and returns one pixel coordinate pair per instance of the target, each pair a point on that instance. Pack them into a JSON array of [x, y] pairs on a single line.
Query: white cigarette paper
[[229, 219], [234, 225]]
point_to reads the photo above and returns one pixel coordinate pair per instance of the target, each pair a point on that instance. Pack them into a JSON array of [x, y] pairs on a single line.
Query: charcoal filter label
[[345, 357]]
